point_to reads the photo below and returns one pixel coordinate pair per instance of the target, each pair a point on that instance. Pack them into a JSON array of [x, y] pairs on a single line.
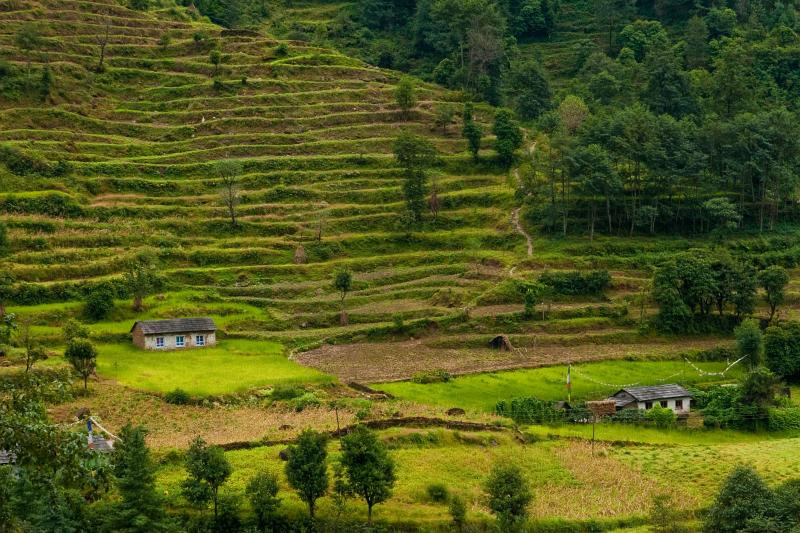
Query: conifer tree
[[140, 509]]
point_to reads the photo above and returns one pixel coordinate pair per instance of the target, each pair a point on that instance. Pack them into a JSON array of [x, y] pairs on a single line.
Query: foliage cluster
[[576, 282]]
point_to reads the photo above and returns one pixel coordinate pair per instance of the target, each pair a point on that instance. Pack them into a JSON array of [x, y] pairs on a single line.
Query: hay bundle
[[300, 256], [501, 343], [601, 408]]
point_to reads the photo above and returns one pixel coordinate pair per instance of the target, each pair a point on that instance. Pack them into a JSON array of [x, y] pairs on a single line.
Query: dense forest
[[674, 117]]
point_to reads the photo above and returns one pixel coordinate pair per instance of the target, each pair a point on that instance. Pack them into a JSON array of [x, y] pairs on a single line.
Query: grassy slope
[[590, 381], [569, 481], [232, 366], [461, 461], [313, 130]]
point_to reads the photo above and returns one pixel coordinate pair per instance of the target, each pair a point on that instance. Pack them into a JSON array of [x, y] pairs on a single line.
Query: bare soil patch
[[395, 361]]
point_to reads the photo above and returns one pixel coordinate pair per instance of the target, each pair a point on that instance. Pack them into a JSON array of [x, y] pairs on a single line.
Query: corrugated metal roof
[[657, 392], [176, 325]]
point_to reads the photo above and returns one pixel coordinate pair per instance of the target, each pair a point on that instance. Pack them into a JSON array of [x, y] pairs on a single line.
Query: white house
[[671, 396], [174, 334]]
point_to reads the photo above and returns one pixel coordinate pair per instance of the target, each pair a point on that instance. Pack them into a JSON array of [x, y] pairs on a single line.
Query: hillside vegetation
[[128, 159], [130, 156], [383, 204]]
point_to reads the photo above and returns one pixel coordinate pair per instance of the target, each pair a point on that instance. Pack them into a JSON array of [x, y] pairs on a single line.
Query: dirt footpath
[[372, 363]]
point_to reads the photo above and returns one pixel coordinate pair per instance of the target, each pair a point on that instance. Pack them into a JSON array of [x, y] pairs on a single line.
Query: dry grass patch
[[605, 486], [395, 361]]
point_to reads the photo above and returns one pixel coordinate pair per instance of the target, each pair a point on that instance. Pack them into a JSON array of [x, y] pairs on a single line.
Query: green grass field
[[564, 477], [678, 436], [232, 366], [592, 381], [701, 468]]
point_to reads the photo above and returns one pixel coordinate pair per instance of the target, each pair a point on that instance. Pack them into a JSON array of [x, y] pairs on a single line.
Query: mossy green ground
[[593, 381]]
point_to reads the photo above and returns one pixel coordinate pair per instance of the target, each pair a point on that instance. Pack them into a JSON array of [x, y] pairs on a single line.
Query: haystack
[[501, 343], [300, 256], [601, 408]]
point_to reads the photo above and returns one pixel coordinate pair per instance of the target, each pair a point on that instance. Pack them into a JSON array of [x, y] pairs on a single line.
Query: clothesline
[[700, 371]]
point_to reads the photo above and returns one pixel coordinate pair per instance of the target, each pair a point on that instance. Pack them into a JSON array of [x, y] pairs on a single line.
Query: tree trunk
[[232, 211], [103, 48], [608, 214], [633, 215], [591, 222], [311, 509], [137, 303], [2, 309], [369, 514], [102, 57], [86, 382]]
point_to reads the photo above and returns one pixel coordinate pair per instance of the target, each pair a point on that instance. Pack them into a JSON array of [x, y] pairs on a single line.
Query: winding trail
[[521, 230], [515, 213]]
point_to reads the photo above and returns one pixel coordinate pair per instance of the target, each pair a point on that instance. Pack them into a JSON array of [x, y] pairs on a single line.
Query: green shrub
[[662, 417], [3, 237], [399, 325], [782, 349], [285, 392], [432, 376], [23, 163], [53, 203], [437, 493], [717, 353], [628, 416], [458, 512], [99, 302], [309, 399], [177, 397], [784, 419], [528, 410], [577, 283]]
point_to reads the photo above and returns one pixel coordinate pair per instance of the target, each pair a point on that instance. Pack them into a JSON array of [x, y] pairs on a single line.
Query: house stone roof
[[656, 392], [176, 325]]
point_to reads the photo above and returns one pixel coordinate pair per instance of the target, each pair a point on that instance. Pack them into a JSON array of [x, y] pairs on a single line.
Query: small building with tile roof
[[670, 396], [174, 334]]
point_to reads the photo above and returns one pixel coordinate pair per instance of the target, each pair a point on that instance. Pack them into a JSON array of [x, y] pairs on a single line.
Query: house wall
[[169, 340], [138, 337], [671, 404]]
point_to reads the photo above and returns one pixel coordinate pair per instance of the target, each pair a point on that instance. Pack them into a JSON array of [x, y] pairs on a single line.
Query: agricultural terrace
[[133, 152]]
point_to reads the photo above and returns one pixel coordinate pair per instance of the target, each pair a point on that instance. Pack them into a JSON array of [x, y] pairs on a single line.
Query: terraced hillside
[[130, 157], [312, 128], [575, 35]]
